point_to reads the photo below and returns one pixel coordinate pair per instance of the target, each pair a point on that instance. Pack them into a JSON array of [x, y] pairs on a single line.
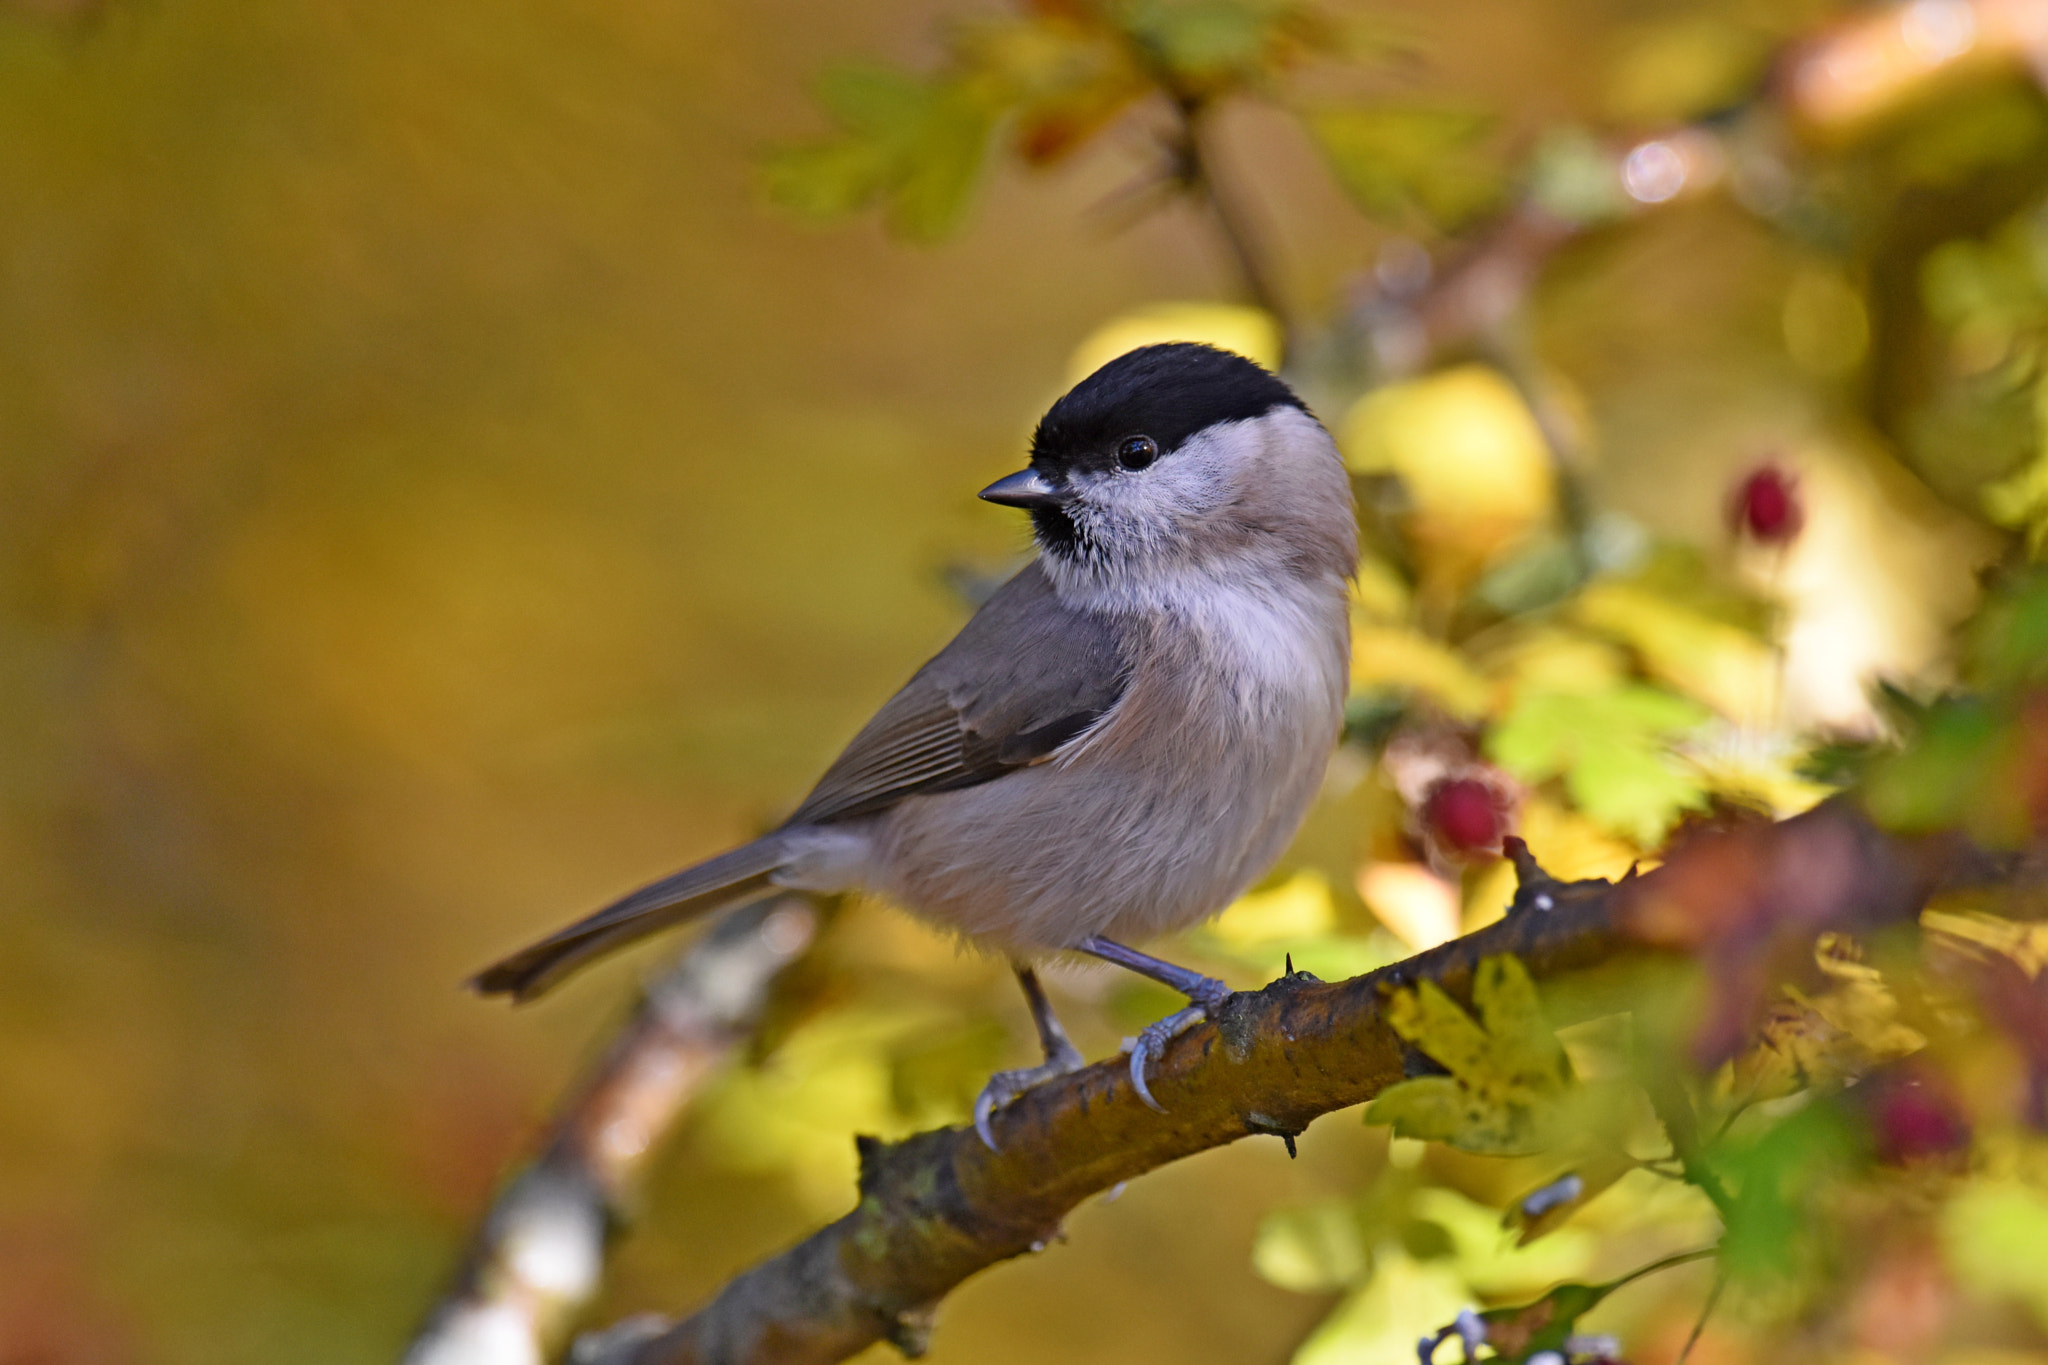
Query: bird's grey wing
[[1024, 675]]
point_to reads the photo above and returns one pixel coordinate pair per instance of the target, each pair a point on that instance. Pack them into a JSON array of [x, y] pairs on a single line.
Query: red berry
[[1766, 506], [1464, 815], [1912, 1117]]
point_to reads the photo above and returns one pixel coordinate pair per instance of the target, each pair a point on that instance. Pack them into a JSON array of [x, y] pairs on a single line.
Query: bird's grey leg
[[1205, 991], [1061, 1057]]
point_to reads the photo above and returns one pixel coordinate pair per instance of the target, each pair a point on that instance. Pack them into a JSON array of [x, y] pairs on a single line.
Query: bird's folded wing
[[1025, 675]]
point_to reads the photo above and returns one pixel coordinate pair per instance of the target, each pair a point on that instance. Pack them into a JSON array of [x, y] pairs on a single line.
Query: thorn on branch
[[911, 1333], [868, 1149], [1266, 1126], [1529, 874], [1535, 889], [945, 1208]]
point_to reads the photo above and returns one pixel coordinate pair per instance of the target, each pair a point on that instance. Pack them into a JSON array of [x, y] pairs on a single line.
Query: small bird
[[1125, 735]]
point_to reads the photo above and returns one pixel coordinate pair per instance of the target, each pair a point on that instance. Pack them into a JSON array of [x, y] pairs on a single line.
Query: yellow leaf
[[1298, 908], [1507, 1069], [1392, 656], [1378, 594], [1559, 661], [1250, 332], [1419, 907], [1720, 664], [1571, 847], [1756, 769], [1827, 1037], [2026, 943], [1467, 448], [791, 1115]]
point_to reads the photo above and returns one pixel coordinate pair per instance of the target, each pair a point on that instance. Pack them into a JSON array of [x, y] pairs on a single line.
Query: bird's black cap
[[1167, 392]]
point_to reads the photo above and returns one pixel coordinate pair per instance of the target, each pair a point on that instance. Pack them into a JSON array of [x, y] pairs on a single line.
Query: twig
[[539, 1255], [1198, 173], [1666, 1263], [1706, 1311], [1825, 88], [940, 1207], [1668, 1097]]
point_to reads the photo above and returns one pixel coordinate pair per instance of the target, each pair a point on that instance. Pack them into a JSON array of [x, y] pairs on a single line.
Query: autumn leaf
[[1612, 747], [915, 145], [1550, 1323], [1507, 1070]]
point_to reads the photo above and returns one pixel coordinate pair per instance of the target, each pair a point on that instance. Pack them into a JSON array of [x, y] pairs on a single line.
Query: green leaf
[[1710, 660], [876, 102], [1613, 749], [1215, 46], [1201, 37], [1396, 161], [1780, 1180], [1992, 1235], [1518, 1333], [831, 180], [1507, 1070], [2008, 643], [1936, 781], [1523, 1332], [915, 145]]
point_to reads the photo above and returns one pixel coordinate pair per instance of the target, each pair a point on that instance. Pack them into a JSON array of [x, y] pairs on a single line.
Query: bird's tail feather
[[739, 875]]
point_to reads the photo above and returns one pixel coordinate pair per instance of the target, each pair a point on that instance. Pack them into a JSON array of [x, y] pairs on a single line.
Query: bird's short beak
[[1027, 489]]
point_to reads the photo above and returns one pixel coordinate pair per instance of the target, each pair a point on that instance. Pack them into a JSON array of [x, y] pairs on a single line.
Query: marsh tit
[[1121, 740]]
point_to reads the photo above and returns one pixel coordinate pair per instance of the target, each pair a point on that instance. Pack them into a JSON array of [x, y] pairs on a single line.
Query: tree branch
[[540, 1253], [1196, 171], [939, 1207]]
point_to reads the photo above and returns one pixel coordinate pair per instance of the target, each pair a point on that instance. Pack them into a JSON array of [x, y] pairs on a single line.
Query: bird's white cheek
[[1163, 498]]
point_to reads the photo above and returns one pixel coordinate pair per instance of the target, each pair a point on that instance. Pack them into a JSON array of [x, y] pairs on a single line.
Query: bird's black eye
[[1135, 452]]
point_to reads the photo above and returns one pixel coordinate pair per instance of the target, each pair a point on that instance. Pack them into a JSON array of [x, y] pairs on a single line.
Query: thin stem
[[940, 1207], [1679, 1258], [1197, 172], [1674, 1110], [1706, 1311]]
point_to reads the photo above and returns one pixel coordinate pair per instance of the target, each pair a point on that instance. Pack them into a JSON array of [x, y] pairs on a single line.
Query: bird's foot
[[1006, 1086], [1207, 995]]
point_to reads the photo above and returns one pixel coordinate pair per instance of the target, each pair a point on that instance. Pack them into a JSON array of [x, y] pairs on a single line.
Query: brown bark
[[940, 1206]]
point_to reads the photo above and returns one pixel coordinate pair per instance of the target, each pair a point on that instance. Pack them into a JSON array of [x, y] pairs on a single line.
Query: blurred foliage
[[435, 494], [1596, 683], [1062, 74]]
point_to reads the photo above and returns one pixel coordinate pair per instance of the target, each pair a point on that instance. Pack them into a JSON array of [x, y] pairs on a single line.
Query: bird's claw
[[1152, 1039], [1005, 1086]]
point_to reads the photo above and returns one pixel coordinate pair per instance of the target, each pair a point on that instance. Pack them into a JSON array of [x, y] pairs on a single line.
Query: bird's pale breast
[[1166, 810]]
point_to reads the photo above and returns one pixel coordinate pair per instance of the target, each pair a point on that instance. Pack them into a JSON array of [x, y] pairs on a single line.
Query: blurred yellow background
[[436, 494]]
